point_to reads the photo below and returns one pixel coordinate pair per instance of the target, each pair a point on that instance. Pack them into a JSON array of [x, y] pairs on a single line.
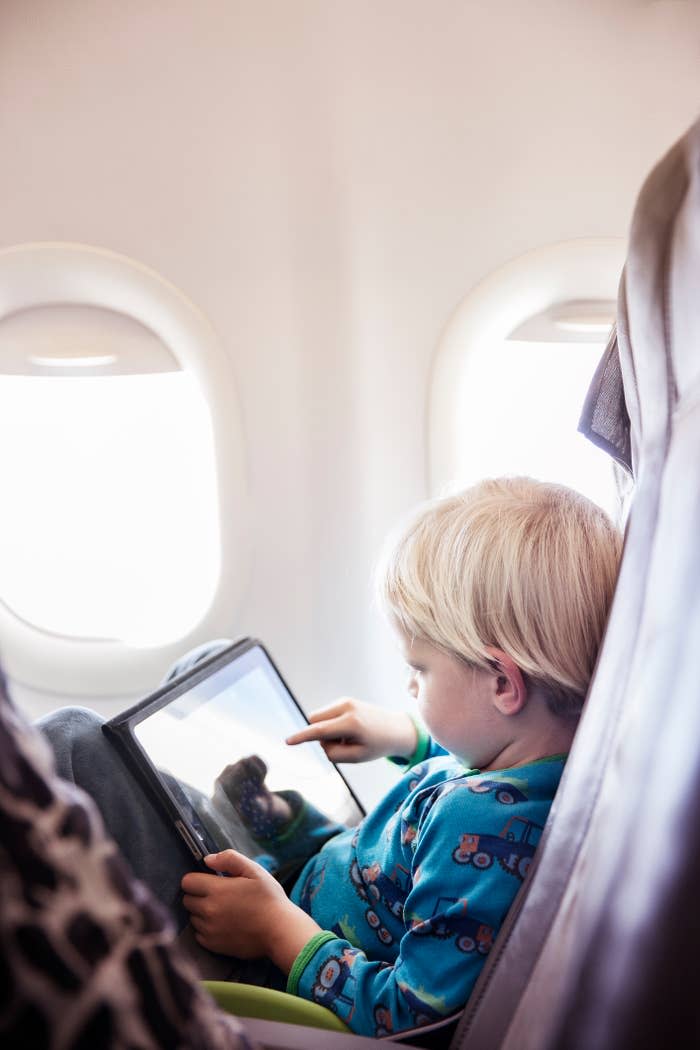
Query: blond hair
[[525, 566]]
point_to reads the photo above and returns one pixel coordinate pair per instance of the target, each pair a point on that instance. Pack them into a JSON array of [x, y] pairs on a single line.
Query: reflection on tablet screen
[[220, 750]]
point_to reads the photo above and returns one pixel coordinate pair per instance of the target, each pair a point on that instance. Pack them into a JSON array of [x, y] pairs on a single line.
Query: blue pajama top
[[411, 899]]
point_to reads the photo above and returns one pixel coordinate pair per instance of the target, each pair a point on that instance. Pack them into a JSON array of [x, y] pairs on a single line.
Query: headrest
[[604, 419], [652, 359]]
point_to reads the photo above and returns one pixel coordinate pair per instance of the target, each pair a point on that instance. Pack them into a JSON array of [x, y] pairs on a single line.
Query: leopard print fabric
[[86, 955]]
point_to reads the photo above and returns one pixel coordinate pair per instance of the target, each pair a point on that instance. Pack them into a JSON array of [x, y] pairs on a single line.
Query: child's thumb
[[230, 862]]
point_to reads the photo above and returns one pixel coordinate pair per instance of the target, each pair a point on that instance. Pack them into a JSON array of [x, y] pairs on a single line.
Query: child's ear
[[510, 693]]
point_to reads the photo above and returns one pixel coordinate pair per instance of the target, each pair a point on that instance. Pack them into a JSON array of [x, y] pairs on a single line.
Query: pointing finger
[[330, 730]]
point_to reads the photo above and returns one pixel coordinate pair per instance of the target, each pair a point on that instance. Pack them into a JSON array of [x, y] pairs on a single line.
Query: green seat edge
[[267, 1004]]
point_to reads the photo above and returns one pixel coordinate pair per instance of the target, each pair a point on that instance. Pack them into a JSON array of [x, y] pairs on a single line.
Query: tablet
[[209, 747]]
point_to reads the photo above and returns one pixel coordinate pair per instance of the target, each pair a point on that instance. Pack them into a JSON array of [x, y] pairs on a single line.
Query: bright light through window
[[519, 409], [110, 523]]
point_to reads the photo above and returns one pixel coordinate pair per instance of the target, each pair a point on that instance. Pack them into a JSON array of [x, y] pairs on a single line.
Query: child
[[499, 597]]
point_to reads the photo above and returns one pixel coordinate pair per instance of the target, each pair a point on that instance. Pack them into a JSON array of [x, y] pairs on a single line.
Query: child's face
[[454, 701]]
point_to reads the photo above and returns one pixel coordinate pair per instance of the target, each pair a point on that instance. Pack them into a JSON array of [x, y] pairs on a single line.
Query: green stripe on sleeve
[[303, 958], [421, 749]]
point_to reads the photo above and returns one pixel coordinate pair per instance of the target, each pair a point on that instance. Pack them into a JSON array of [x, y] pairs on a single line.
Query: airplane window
[[110, 525], [124, 532], [513, 367], [520, 406]]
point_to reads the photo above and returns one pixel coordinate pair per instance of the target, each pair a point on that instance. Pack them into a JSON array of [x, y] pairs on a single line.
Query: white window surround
[[72, 339], [43, 274], [586, 268]]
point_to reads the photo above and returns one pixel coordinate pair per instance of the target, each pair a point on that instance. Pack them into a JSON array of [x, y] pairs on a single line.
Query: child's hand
[[353, 731], [248, 916]]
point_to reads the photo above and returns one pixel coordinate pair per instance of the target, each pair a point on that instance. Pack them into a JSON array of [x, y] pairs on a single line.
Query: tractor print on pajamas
[[409, 832], [513, 848], [331, 979], [423, 1012], [392, 889], [312, 884], [383, 1023], [417, 774], [506, 792], [470, 934], [373, 885]]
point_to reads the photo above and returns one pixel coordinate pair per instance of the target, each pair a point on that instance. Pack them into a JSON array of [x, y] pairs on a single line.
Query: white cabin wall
[[326, 181]]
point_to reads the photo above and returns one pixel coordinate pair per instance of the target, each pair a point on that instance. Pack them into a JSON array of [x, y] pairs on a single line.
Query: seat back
[[600, 949]]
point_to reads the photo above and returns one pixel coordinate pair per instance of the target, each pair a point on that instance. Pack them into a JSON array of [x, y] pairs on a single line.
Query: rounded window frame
[[584, 268], [40, 274]]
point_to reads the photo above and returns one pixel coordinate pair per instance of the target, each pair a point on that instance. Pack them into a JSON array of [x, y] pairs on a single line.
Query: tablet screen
[[219, 749]]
